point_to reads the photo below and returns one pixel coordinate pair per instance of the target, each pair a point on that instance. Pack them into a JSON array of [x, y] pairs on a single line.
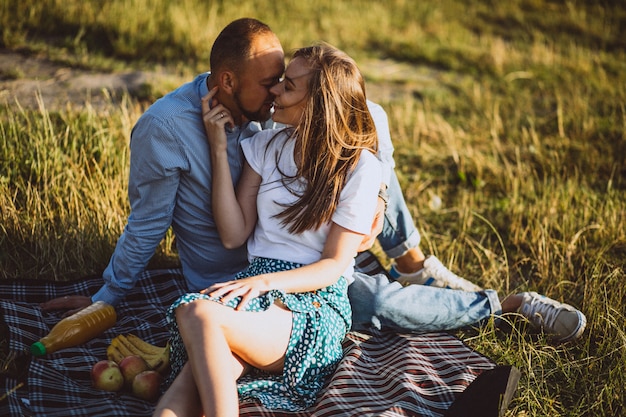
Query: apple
[[106, 375], [146, 385], [131, 366]]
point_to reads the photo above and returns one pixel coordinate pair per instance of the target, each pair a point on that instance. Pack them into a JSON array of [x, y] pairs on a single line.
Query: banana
[[161, 362], [144, 346], [114, 354], [118, 344], [123, 340], [158, 358]]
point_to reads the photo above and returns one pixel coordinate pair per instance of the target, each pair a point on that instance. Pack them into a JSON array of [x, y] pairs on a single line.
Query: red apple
[[106, 375], [146, 385], [131, 366]]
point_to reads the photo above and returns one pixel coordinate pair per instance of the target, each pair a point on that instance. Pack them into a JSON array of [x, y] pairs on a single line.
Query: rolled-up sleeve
[[385, 146]]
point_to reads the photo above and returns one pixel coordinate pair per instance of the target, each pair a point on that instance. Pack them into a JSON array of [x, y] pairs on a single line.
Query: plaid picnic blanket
[[382, 374]]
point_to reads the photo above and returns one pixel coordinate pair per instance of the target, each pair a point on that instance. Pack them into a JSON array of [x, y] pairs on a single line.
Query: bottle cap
[[38, 349]]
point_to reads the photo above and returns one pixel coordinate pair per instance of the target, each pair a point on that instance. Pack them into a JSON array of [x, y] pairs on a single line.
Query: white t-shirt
[[270, 154], [385, 147]]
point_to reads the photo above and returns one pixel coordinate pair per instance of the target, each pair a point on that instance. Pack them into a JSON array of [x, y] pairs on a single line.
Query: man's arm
[[385, 146], [155, 167], [385, 156], [153, 182]]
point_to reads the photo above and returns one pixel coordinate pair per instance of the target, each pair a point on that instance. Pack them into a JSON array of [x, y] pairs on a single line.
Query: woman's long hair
[[336, 126]]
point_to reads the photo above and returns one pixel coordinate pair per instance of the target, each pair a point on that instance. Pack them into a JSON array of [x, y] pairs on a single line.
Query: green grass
[[517, 122]]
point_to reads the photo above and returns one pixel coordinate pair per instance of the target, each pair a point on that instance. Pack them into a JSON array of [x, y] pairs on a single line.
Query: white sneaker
[[562, 321], [434, 274]]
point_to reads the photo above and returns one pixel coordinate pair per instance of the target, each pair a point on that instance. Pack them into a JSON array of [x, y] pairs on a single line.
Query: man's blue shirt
[[170, 185]]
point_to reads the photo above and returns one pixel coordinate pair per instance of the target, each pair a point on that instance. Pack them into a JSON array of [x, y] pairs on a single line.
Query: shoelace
[[546, 310]]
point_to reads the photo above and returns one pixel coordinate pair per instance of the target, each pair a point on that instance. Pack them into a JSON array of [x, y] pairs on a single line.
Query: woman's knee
[[198, 311]]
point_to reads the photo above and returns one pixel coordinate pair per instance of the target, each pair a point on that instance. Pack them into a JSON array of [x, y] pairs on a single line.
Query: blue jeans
[[416, 308], [378, 303], [399, 233]]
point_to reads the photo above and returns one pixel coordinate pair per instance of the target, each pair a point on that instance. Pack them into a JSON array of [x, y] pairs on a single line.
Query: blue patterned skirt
[[321, 319]]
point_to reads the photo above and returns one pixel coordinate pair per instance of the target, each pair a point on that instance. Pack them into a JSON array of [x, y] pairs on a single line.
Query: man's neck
[[209, 82]]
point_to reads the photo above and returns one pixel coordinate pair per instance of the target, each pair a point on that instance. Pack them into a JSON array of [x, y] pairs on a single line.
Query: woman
[[306, 198]]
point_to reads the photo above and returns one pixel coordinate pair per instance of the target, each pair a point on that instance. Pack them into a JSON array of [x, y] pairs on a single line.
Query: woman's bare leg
[[181, 398], [216, 336]]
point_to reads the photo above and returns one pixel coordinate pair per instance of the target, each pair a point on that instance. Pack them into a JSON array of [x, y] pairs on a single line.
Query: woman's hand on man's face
[[215, 117]]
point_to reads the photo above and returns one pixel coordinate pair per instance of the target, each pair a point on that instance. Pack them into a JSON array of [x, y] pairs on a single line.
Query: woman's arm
[[339, 250], [234, 213]]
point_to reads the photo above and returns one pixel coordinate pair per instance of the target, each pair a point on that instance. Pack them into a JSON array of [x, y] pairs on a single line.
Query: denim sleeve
[[385, 147], [157, 160]]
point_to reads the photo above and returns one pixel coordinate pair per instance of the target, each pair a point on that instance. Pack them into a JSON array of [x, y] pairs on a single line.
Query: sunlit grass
[[64, 198]]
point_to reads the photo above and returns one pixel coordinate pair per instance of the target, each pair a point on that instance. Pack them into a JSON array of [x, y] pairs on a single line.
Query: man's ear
[[228, 81]]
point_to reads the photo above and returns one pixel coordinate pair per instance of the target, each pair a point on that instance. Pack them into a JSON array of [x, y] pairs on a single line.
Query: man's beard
[[255, 116]]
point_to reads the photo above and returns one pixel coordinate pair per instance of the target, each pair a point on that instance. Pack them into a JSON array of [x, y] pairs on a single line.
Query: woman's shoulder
[[368, 166]]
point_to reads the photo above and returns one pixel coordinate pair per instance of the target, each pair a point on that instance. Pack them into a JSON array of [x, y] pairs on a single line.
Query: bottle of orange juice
[[77, 328]]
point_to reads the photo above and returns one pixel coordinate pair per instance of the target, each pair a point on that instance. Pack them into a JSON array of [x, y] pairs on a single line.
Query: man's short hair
[[233, 45]]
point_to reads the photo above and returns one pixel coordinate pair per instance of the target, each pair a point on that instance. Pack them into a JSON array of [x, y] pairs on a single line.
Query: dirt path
[[29, 79]]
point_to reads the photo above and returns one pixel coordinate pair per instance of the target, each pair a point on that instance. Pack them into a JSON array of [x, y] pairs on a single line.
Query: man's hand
[[377, 226], [72, 303]]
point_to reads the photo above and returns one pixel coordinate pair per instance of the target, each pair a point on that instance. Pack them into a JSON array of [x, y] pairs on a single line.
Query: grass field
[[514, 117]]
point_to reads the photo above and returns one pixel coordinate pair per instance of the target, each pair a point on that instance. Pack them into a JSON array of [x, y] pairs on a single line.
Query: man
[[170, 185], [170, 173]]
